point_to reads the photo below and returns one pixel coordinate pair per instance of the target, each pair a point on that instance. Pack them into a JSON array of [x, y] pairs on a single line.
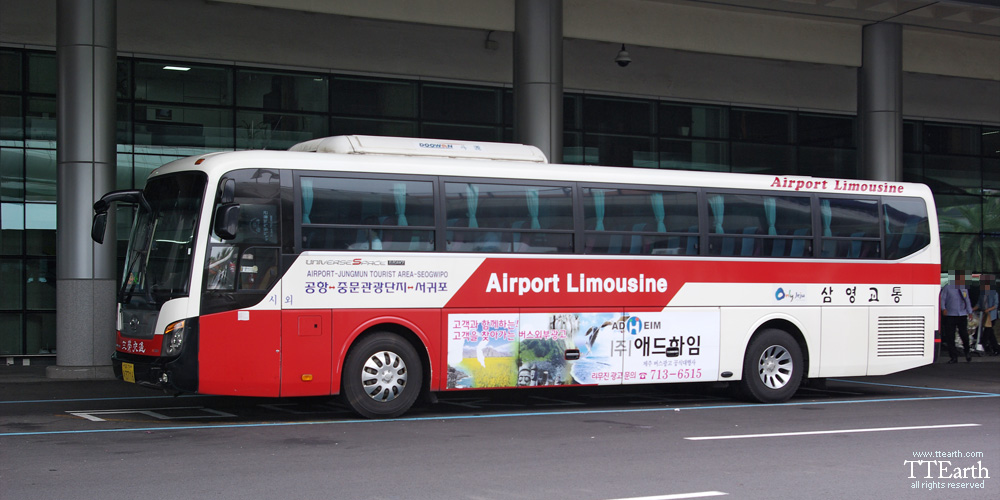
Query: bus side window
[[258, 268], [221, 269], [906, 226]]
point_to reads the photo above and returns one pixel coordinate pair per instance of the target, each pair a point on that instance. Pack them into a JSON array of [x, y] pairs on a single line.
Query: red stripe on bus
[[542, 282]]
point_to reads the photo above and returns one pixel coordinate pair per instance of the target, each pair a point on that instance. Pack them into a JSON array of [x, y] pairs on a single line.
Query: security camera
[[623, 59]]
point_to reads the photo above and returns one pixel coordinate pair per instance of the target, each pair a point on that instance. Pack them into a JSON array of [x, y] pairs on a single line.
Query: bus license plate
[[128, 372]]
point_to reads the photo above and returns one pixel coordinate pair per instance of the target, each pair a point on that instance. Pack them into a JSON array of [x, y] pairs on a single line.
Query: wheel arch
[[404, 329], [788, 326]]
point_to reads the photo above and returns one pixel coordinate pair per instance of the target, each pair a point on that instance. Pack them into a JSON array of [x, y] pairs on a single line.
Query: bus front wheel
[[772, 367], [382, 376]]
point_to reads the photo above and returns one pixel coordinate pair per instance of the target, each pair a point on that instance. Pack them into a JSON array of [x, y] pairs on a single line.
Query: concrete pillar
[[538, 75], [880, 103], [86, 46]]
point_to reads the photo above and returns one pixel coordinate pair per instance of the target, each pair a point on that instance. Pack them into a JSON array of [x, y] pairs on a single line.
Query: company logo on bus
[[633, 325], [780, 294]]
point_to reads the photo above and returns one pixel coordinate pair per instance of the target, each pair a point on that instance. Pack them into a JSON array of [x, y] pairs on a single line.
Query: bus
[[378, 269]]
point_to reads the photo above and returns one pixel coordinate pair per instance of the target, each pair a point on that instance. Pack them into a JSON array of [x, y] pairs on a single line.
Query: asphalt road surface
[[933, 432]]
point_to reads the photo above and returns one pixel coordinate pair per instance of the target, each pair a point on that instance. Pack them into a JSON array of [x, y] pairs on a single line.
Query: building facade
[[759, 86]]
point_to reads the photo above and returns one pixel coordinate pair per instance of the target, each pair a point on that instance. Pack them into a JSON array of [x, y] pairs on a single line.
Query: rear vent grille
[[900, 336]]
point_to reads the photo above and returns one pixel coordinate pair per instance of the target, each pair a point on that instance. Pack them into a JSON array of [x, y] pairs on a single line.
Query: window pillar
[[880, 102], [538, 75], [86, 45]]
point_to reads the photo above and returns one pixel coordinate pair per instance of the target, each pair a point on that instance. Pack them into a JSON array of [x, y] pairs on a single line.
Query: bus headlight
[[173, 339]]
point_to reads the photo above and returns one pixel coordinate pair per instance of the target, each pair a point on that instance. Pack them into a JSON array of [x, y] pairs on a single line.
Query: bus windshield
[[161, 244]]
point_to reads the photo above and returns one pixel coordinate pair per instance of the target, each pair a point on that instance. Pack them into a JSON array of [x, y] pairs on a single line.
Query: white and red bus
[[378, 268]]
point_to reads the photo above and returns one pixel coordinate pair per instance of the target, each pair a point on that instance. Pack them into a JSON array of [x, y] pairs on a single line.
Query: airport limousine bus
[[378, 268]]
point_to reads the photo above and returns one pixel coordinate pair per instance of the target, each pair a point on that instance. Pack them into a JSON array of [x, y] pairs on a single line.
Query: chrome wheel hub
[[384, 376], [775, 367]]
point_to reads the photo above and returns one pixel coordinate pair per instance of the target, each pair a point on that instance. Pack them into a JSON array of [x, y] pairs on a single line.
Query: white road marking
[[678, 496], [200, 412], [837, 431]]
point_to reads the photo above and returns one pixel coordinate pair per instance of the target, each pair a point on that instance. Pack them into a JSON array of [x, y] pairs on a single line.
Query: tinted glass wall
[[172, 109], [961, 164]]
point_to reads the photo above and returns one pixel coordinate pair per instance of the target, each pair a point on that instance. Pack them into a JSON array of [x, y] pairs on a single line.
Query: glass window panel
[[42, 78], [508, 107], [912, 137], [11, 174], [850, 218], [40, 234], [823, 162], [640, 210], [10, 239], [460, 104], [623, 151], [694, 155], [503, 206], [618, 116], [991, 214], [953, 173], [10, 71], [572, 112], [826, 130], [358, 96], [680, 120], [40, 333], [123, 171], [12, 232], [959, 214], [961, 252], [991, 142], [754, 125], [762, 159], [12, 277], [40, 283], [366, 126], [40, 121], [257, 130], [991, 254], [843, 218], [184, 126], [378, 214], [575, 153], [11, 118], [951, 139], [40, 175], [123, 87], [271, 90], [199, 84], [913, 168], [11, 334], [991, 176], [123, 123], [461, 132], [906, 224]]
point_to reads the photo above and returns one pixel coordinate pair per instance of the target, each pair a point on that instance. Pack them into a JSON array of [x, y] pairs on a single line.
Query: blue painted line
[[489, 416], [913, 387]]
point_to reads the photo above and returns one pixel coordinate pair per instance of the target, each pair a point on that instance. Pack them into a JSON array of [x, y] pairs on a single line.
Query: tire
[[382, 376], [772, 367]]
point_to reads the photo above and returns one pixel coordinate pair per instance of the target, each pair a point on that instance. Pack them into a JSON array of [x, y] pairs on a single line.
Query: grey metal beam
[[86, 46], [538, 75]]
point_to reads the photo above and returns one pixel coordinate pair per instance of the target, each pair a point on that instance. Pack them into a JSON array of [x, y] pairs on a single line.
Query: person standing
[[988, 302], [955, 310]]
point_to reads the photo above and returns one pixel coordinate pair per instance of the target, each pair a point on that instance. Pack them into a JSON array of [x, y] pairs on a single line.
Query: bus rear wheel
[[772, 367], [382, 376]]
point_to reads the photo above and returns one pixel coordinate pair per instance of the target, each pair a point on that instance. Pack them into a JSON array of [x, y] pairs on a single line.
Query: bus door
[[241, 318]]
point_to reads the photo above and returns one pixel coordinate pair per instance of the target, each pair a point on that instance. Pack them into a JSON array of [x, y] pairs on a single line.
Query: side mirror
[[97, 230], [227, 219]]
